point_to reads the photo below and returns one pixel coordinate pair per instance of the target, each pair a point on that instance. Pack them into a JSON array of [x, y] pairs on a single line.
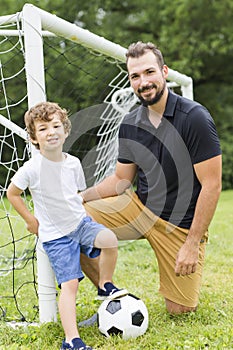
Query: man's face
[[146, 78]]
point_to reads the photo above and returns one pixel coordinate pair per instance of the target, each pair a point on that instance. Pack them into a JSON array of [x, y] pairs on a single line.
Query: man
[[170, 145]]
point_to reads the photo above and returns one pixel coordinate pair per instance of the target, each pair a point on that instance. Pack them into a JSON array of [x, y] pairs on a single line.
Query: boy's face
[[50, 135]]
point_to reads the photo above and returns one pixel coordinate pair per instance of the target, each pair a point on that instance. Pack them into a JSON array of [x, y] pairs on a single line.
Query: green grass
[[16, 264], [211, 327]]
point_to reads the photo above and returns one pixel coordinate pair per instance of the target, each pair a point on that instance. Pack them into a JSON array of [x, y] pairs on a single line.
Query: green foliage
[[196, 38], [209, 328], [218, 100], [227, 150]]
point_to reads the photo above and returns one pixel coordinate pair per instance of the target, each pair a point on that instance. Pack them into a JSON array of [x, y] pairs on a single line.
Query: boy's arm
[[14, 197]]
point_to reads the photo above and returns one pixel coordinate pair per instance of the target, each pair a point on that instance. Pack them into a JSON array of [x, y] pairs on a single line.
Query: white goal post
[[37, 24]]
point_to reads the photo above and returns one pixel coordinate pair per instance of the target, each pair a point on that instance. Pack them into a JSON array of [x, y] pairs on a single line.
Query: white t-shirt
[[54, 187]]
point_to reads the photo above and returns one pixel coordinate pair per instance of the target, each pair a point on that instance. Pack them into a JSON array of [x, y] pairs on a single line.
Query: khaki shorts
[[130, 220]]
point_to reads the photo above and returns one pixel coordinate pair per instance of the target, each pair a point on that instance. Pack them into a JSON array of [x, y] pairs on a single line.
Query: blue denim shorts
[[64, 252]]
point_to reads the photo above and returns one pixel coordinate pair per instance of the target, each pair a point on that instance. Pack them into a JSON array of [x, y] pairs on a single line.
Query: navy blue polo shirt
[[166, 181]]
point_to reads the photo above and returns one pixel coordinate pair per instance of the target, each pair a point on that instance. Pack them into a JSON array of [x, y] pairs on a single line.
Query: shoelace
[[113, 291]]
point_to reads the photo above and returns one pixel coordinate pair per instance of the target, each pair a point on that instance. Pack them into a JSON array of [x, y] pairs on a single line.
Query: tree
[[196, 38]]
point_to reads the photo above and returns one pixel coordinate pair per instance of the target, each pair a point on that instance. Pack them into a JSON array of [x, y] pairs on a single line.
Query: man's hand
[[187, 259]]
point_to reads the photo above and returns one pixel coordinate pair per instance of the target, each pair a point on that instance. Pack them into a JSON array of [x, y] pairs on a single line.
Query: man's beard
[[153, 100]]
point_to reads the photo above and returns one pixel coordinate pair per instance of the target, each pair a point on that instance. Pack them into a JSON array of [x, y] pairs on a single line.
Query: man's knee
[[177, 309]]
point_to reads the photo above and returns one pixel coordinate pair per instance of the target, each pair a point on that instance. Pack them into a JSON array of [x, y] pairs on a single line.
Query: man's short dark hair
[[138, 49]]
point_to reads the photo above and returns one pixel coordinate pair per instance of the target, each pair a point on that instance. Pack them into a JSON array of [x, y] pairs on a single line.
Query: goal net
[[44, 57]]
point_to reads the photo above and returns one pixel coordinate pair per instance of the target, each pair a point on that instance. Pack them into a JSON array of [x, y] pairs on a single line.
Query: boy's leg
[[107, 242], [67, 309], [68, 276]]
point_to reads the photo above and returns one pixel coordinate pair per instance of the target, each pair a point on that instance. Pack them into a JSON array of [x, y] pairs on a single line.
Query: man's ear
[[165, 71]]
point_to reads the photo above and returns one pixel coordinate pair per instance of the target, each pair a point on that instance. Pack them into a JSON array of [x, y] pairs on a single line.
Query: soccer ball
[[126, 316]]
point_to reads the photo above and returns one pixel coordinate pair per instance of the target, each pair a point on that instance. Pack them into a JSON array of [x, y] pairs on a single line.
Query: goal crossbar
[[57, 26]]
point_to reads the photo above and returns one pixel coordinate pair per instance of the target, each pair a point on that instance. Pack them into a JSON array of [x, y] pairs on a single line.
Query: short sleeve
[[81, 181], [124, 154], [201, 135], [21, 177]]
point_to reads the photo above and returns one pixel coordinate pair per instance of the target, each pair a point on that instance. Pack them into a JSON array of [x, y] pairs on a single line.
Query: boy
[[170, 145], [60, 221]]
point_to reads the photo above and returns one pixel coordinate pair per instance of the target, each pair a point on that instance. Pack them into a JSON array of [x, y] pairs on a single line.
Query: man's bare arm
[[209, 173], [112, 185]]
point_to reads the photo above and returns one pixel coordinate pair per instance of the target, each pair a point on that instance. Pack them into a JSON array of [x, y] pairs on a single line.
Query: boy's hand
[[32, 225]]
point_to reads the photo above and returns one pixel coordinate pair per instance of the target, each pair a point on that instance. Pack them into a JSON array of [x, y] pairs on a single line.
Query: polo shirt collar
[[171, 104]]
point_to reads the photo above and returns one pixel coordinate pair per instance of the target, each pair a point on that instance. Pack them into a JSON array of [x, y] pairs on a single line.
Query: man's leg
[[91, 268], [124, 215], [129, 219], [176, 309], [181, 293]]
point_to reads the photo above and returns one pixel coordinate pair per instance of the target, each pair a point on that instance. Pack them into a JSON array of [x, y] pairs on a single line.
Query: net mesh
[[17, 247], [93, 88]]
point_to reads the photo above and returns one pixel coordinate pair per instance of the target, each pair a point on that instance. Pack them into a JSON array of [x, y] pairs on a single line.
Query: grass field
[[211, 327]]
